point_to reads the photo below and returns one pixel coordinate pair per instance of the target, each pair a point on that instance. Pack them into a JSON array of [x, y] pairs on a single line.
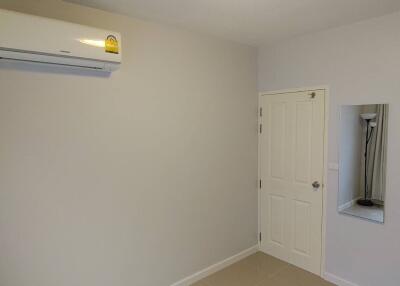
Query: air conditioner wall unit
[[33, 39]]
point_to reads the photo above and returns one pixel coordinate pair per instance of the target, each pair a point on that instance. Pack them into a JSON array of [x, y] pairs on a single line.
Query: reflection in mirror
[[362, 162]]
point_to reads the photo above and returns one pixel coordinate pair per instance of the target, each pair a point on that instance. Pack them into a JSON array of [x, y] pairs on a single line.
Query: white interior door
[[291, 160]]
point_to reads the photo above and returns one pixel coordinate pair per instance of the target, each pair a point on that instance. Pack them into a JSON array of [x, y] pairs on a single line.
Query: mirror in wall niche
[[362, 160]]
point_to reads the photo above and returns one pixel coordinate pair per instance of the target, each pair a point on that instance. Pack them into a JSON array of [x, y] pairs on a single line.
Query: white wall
[[361, 64], [350, 138], [138, 179]]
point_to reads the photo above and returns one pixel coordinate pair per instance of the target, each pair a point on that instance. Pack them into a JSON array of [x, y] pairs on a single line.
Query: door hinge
[[260, 128], [260, 236], [260, 111], [260, 183]]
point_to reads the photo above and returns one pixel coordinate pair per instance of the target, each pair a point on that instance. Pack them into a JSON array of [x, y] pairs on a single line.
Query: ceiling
[[253, 22]]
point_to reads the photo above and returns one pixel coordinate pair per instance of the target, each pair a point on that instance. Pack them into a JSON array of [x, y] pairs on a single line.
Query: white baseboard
[[337, 280], [348, 204], [216, 267]]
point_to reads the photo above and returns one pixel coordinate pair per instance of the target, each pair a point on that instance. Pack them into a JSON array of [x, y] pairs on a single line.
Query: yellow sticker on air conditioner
[[111, 45]]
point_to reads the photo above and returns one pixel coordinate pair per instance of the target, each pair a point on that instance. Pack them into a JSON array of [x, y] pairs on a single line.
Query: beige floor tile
[[293, 276], [260, 269], [265, 265], [200, 283], [247, 272], [234, 275]]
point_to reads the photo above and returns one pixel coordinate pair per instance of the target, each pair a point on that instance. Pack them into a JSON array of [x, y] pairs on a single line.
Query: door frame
[[325, 164]]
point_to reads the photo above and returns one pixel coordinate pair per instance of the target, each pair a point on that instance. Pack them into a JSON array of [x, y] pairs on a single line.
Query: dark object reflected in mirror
[[362, 160]]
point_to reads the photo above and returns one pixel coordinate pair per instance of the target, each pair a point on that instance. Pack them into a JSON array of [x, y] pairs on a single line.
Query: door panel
[[276, 206], [302, 141], [291, 158], [301, 227], [277, 152]]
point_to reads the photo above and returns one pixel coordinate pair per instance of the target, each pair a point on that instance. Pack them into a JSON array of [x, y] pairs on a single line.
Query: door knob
[[316, 184]]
